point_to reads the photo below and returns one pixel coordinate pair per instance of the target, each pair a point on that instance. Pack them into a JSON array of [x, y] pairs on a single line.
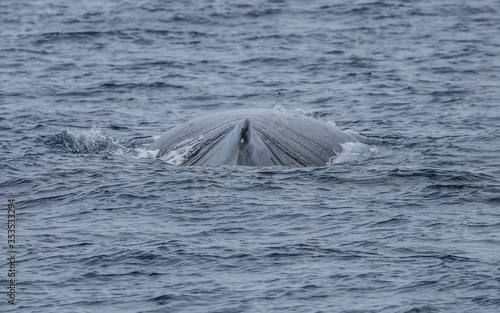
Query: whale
[[252, 137]]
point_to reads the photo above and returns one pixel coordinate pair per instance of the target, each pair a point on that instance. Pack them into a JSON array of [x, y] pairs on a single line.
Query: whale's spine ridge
[[245, 132]]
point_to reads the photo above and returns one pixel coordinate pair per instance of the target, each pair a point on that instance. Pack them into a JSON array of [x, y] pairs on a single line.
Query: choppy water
[[407, 222]]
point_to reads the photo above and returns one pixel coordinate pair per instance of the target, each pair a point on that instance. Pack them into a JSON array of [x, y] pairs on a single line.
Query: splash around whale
[[252, 137]]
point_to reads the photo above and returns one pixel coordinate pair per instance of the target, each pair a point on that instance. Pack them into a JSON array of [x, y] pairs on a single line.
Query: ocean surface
[[408, 220]]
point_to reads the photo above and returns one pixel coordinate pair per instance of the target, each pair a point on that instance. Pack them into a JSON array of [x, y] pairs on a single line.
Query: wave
[[82, 141]]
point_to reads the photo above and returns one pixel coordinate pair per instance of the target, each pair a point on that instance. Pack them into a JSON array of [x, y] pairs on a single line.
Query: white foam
[[90, 136], [83, 141], [181, 152], [331, 123], [354, 152], [144, 153], [281, 108], [358, 136]]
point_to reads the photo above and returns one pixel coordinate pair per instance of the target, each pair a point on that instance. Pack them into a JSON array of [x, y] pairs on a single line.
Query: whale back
[[270, 138]]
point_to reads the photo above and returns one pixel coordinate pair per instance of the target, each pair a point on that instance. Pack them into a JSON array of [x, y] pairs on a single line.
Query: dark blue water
[[408, 221]]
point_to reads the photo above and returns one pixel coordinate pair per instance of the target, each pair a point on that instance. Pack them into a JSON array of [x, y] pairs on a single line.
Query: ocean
[[408, 220]]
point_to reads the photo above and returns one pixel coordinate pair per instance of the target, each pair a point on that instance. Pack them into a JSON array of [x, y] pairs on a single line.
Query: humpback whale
[[253, 137]]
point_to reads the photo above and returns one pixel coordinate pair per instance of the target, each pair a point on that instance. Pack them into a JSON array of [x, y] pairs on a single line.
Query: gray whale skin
[[253, 137]]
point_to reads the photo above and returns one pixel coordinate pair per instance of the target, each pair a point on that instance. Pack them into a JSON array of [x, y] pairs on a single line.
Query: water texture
[[408, 220]]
